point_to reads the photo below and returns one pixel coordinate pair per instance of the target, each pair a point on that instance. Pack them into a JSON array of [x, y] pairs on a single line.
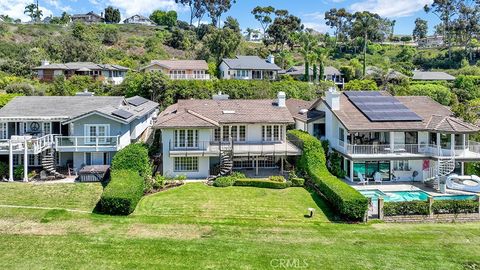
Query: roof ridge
[[202, 117]]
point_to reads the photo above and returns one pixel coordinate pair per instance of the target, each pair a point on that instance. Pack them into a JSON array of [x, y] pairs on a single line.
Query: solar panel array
[[122, 114], [137, 101], [379, 108]]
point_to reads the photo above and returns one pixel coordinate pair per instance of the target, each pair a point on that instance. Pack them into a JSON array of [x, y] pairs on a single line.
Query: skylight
[[228, 112]]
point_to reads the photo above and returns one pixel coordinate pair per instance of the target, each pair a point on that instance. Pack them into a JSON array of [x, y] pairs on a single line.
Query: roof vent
[[303, 111], [85, 93], [220, 96], [228, 112]]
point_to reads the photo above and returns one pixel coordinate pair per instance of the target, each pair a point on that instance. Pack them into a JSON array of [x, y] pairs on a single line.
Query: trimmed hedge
[[406, 208], [133, 157], [122, 193], [454, 206], [345, 199], [224, 181], [297, 182], [261, 183]]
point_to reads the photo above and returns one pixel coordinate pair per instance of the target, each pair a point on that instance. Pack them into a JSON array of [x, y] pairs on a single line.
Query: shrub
[[406, 208], [454, 206], [238, 175], [18, 172], [122, 193], [345, 199], [361, 85], [134, 157], [224, 181], [261, 183], [3, 169], [277, 178], [297, 182]]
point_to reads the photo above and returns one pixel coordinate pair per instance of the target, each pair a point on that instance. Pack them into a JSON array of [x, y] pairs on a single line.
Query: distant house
[[330, 74], [108, 73], [138, 19], [431, 76], [254, 36], [431, 42], [90, 17], [249, 68], [180, 69]]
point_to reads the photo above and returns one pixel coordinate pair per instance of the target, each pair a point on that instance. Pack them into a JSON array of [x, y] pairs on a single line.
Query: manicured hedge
[[350, 204], [297, 182], [224, 181], [454, 206], [261, 183], [122, 193], [406, 208], [133, 157]]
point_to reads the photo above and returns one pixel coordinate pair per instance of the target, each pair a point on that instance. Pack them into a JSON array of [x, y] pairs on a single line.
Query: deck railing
[[189, 76], [79, 142]]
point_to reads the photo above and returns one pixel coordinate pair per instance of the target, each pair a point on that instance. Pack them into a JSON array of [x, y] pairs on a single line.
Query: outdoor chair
[[377, 177], [362, 179]]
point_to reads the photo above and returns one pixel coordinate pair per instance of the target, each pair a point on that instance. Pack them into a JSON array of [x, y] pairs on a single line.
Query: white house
[[202, 138], [138, 19], [249, 68], [71, 131], [180, 69]]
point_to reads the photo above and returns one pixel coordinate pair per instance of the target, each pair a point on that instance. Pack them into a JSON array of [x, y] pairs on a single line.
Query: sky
[[404, 12]]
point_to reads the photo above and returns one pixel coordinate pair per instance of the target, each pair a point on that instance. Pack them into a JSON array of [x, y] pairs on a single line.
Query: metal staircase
[[443, 167], [48, 163], [226, 161]]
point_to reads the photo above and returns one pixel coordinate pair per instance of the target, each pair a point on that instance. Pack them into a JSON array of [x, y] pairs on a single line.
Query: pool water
[[405, 196]]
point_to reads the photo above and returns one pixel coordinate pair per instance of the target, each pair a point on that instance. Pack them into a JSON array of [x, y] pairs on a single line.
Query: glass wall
[[369, 168]]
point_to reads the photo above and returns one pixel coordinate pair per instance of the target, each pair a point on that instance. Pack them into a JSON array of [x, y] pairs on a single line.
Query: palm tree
[[30, 10], [322, 56], [312, 58], [285, 58], [307, 41]]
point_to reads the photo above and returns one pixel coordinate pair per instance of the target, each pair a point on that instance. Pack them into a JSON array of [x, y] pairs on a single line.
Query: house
[[330, 74], [108, 73], [249, 68], [403, 138], [202, 138], [180, 69], [306, 117], [90, 17], [70, 131], [431, 76], [431, 42], [138, 19], [255, 35]]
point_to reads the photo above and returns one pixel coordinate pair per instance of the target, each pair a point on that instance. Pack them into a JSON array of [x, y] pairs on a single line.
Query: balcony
[[87, 143], [189, 76], [33, 145], [250, 148]]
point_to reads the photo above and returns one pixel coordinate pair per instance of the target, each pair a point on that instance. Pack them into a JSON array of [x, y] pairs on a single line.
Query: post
[[430, 203], [281, 165], [452, 144], [380, 208], [392, 142], [256, 165], [478, 199], [438, 145], [76, 143], [351, 171], [462, 168], [10, 162], [464, 144], [25, 162]]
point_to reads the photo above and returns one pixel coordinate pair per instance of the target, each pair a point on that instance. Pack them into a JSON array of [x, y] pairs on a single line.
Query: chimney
[[281, 99], [45, 62], [333, 98], [271, 59], [220, 96]]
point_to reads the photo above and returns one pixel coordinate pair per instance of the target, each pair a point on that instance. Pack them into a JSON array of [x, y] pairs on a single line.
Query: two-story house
[[90, 17], [249, 68], [113, 74], [74, 130], [180, 69], [139, 19], [197, 134], [403, 138]]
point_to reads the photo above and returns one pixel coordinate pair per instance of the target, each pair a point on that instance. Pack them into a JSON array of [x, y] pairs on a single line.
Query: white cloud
[[389, 8], [315, 15], [319, 27], [15, 8], [144, 7], [58, 5]]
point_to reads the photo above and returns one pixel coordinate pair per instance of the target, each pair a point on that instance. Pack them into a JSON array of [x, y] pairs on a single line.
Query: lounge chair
[[377, 177], [362, 179]]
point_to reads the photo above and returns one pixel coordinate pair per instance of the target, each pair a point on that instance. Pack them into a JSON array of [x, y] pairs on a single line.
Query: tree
[[222, 43], [65, 18], [232, 23], [263, 15], [216, 8], [280, 31], [339, 20], [421, 29], [30, 11], [307, 42], [322, 56], [466, 25], [112, 15], [166, 18], [444, 10], [110, 35], [197, 9], [285, 59], [361, 85]]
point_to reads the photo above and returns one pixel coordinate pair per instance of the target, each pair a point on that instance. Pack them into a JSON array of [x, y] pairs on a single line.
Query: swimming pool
[[413, 195]]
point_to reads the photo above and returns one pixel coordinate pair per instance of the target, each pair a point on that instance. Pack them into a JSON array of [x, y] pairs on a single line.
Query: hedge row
[[133, 157], [406, 208], [261, 183], [122, 193], [454, 206], [346, 200]]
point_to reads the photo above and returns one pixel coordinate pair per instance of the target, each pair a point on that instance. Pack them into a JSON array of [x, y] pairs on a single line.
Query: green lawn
[[200, 227]]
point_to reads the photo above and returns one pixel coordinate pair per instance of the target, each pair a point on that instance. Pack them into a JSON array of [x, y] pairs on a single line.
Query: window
[[234, 133], [445, 140], [97, 131], [242, 133], [272, 133], [3, 130], [47, 128], [31, 160], [319, 130], [186, 138], [224, 133], [217, 134], [411, 137], [401, 165], [186, 164], [88, 158], [341, 136], [432, 138]]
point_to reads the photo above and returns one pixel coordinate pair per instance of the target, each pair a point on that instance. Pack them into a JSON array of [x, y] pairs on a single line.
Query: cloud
[[15, 8], [58, 5], [389, 8], [315, 15], [144, 7], [319, 27]]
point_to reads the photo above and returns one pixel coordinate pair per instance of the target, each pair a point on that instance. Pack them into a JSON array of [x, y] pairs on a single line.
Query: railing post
[[10, 161], [76, 143]]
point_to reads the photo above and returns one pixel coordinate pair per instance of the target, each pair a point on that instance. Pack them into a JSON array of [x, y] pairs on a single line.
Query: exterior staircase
[[226, 161], [48, 164], [443, 167]]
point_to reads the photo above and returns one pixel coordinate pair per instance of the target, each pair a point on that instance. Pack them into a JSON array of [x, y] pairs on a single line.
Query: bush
[[238, 175], [454, 206], [360, 85], [224, 181], [134, 157], [261, 183], [277, 178], [122, 193], [297, 182], [3, 169], [406, 208], [350, 204], [439, 93], [5, 98], [18, 172]]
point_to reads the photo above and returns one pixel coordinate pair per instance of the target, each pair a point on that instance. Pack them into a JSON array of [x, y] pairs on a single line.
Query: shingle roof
[[210, 113], [250, 62], [436, 117], [329, 70], [71, 107], [82, 65], [180, 64], [300, 110], [432, 76]]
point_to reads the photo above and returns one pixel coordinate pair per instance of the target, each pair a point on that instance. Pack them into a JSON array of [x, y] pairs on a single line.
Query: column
[[462, 168], [10, 162], [452, 143], [25, 162], [438, 144], [392, 141], [256, 165], [464, 143], [351, 170]]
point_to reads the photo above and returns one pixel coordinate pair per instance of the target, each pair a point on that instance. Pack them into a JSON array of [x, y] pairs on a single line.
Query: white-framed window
[[185, 138], [186, 164], [341, 136], [47, 128], [3, 130], [401, 165], [17, 159], [93, 131], [238, 133], [272, 133]]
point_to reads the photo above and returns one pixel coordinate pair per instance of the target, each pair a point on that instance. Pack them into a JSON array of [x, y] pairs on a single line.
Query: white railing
[[82, 142], [189, 76], [240, 148]]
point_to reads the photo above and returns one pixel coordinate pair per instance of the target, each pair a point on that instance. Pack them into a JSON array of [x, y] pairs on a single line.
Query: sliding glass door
[[369, 168]]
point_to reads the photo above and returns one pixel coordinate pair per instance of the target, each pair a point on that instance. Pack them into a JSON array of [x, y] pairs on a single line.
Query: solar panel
[[122, 114], [137, 101], [379, 108]]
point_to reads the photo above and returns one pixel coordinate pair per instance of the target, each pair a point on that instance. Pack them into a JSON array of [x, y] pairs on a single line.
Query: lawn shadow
[[323, 205]]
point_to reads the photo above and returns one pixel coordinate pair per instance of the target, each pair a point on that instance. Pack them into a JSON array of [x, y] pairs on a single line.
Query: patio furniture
[[363, 181], [377, 177]]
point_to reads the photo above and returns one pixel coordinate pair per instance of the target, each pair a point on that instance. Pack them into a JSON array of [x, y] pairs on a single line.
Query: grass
[[200, 227]]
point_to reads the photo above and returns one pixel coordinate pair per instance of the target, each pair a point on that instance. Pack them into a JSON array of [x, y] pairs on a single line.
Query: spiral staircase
[[444, 166], [226, 161]]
